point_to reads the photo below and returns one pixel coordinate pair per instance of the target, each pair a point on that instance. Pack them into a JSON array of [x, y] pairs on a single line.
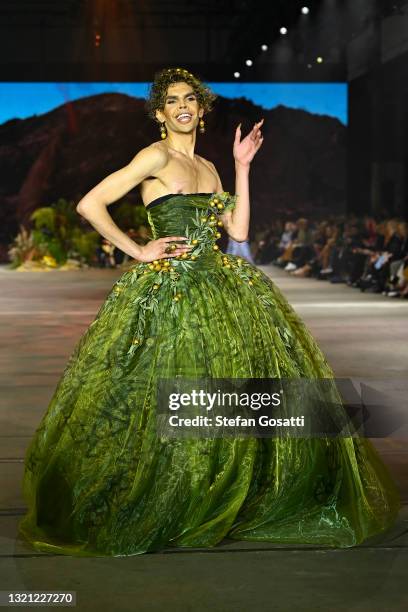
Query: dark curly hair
[[158, 90]]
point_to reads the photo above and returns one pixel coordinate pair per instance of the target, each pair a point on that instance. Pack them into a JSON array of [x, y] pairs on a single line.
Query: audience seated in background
[[364, 253]]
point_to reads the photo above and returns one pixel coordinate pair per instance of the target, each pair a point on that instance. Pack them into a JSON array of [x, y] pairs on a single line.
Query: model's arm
[[93, 206], [236, 222]]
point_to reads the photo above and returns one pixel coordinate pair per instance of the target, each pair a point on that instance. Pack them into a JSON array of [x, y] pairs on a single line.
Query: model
[[98, 478]]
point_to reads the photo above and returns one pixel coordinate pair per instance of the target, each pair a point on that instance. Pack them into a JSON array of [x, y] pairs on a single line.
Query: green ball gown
[[99, 481]]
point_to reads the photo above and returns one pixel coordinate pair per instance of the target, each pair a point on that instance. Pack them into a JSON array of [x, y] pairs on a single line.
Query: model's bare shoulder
[[147, 162], [207, 162], [150, 159]]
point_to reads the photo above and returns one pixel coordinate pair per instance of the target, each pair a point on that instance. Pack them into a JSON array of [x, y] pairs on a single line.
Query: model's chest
[[183, 168]]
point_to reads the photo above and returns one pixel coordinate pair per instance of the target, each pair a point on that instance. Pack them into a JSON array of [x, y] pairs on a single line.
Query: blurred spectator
[[363, 253], [240, 248], [106, 254], [300, 248]]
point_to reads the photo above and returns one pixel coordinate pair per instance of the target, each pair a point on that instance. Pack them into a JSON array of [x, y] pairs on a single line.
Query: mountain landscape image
[[299, 171]]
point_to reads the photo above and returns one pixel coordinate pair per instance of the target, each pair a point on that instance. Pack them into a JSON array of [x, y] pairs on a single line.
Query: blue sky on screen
[[22, 100]]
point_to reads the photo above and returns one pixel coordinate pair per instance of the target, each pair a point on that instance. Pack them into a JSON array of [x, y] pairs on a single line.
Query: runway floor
[[364, 336]]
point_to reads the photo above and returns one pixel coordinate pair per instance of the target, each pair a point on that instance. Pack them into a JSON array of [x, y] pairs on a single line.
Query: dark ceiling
[[58, 40]]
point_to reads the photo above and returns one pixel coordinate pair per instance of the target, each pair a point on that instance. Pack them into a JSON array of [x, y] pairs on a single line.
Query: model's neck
[[182, 143]]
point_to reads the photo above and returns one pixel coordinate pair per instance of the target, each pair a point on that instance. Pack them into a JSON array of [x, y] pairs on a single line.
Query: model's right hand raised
[[156, 249]]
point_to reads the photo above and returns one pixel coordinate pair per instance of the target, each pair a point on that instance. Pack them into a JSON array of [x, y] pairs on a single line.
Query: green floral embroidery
[[246, 271], [286, 336], [206, 231], [149, 302], [166, 272], [227, 201]]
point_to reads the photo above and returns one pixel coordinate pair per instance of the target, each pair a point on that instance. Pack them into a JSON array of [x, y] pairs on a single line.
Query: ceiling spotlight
[[264, 47], [248, 62], [305, 10], [319, 60], [237, 75], [283, 31]]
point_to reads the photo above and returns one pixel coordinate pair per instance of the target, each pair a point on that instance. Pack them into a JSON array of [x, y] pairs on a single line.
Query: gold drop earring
[[202, 128], [163, 131]]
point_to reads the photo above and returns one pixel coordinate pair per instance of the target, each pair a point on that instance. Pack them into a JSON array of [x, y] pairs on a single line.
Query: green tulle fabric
[[99, 481]]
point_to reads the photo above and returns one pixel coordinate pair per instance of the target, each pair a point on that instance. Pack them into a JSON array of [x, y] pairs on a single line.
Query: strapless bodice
[[168, 196], [170, 214], [194, 215]]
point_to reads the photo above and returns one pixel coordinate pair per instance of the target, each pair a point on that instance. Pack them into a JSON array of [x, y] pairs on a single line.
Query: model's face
[[181, 110]]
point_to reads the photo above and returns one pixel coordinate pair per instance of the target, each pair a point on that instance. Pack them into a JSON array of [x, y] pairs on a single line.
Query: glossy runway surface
[[364, 336]]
